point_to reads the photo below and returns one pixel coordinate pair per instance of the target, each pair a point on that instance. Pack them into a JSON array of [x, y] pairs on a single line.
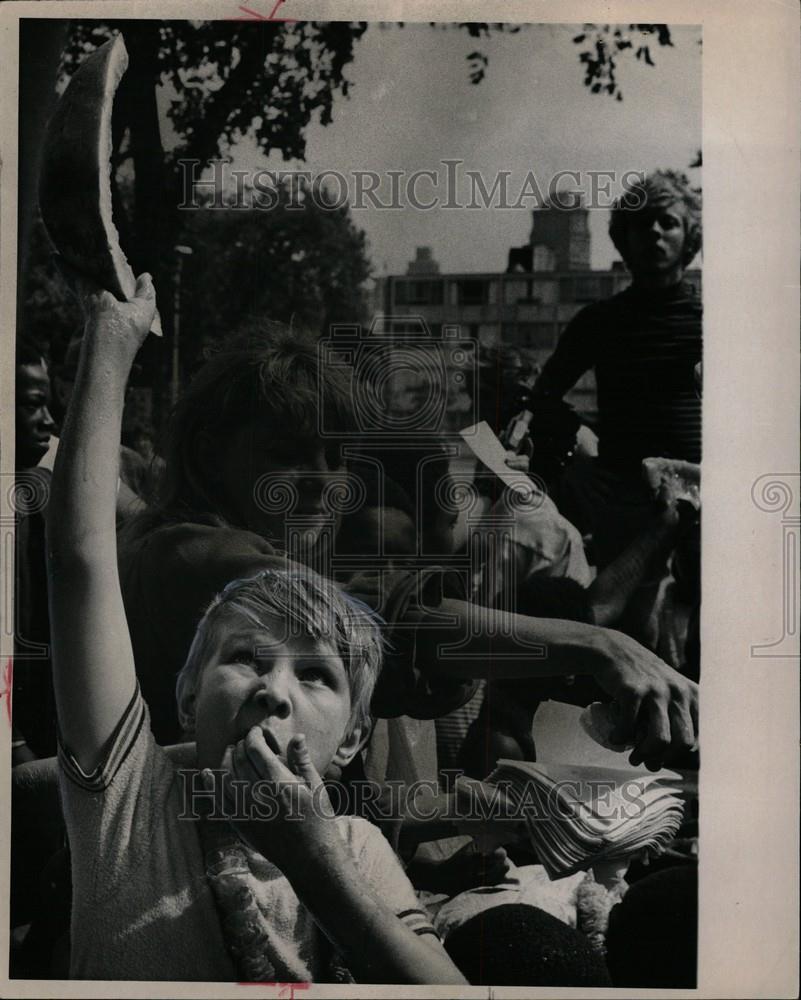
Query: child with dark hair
[[34, 425], [34, 711], [252, 463], [526, 945], [244, 453], [276, 687]]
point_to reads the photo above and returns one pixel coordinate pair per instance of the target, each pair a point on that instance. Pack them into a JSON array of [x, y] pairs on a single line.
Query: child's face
[[286, 684], [263, 485], [655, 239], [34, 425]]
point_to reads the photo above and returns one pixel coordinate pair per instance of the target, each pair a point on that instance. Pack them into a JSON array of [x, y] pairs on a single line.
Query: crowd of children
[[291, 603]]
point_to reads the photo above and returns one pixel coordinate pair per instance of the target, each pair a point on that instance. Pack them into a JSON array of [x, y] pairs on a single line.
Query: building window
[[418, 293], [514, 290], [543, 258], [472, 292], [585, 289]]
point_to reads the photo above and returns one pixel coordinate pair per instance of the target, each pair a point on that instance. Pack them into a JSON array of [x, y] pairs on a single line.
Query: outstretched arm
[[657, 707], [93, 663]]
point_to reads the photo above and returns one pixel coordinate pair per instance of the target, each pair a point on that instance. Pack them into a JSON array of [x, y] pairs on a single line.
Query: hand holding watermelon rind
[[75, 176], [119, 325]]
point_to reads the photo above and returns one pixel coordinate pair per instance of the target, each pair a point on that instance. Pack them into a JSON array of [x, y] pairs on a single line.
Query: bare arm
[[304, 843], [93, 663], [377, 946], [656, 707]]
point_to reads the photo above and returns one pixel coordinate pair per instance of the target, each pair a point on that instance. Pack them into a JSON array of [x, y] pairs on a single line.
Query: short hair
[[268, 372], [28, 352], [309, 602], [661, 187], [518, 944]]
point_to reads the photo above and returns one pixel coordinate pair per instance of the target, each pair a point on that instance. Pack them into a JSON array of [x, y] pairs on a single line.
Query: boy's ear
[[186, 707], [349, 747]]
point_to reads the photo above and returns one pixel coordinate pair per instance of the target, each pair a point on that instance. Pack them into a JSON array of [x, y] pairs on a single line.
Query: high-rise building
[[527, 306], [565, 232]]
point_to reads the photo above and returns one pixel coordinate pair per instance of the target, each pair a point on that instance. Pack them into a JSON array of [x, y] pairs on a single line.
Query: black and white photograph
[[356, 617]]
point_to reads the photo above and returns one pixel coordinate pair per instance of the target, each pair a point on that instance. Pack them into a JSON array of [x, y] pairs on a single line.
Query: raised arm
[[93, 663]]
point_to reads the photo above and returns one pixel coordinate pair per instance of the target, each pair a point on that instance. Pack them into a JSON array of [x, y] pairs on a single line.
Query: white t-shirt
[[142, 906]]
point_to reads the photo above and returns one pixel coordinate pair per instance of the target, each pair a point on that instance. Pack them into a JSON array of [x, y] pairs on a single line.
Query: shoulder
[[375, 860], [189, 545], [189, 563], [357, 832], [130, 749], [585, 317], [368, 845], [614, 304], [538, 525], [583, 328], [130, 458]]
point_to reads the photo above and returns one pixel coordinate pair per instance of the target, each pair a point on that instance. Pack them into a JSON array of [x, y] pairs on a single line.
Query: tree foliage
[[229, 78], [302, 261], [603, 45], [50, 315], [222, 80]]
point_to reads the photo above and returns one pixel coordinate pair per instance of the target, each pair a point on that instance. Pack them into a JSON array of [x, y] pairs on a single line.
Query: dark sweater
[[644, 345]]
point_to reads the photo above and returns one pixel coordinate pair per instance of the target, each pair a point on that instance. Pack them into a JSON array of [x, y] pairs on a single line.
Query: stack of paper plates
[[580, 816]]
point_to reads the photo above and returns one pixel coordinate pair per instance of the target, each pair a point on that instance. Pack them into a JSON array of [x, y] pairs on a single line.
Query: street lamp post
[[182, 251]]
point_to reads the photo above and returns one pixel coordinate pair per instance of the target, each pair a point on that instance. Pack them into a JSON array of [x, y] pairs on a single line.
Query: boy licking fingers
[[281, 670]]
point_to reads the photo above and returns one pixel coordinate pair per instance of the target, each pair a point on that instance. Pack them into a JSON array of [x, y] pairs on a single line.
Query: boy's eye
[[243, 655], [315, 675]]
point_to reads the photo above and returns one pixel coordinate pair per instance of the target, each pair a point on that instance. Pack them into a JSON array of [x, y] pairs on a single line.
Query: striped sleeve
[[417, 920], [119, 745]]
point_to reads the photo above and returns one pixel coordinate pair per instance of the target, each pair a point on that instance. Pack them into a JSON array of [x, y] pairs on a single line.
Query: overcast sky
[[411, 105]]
